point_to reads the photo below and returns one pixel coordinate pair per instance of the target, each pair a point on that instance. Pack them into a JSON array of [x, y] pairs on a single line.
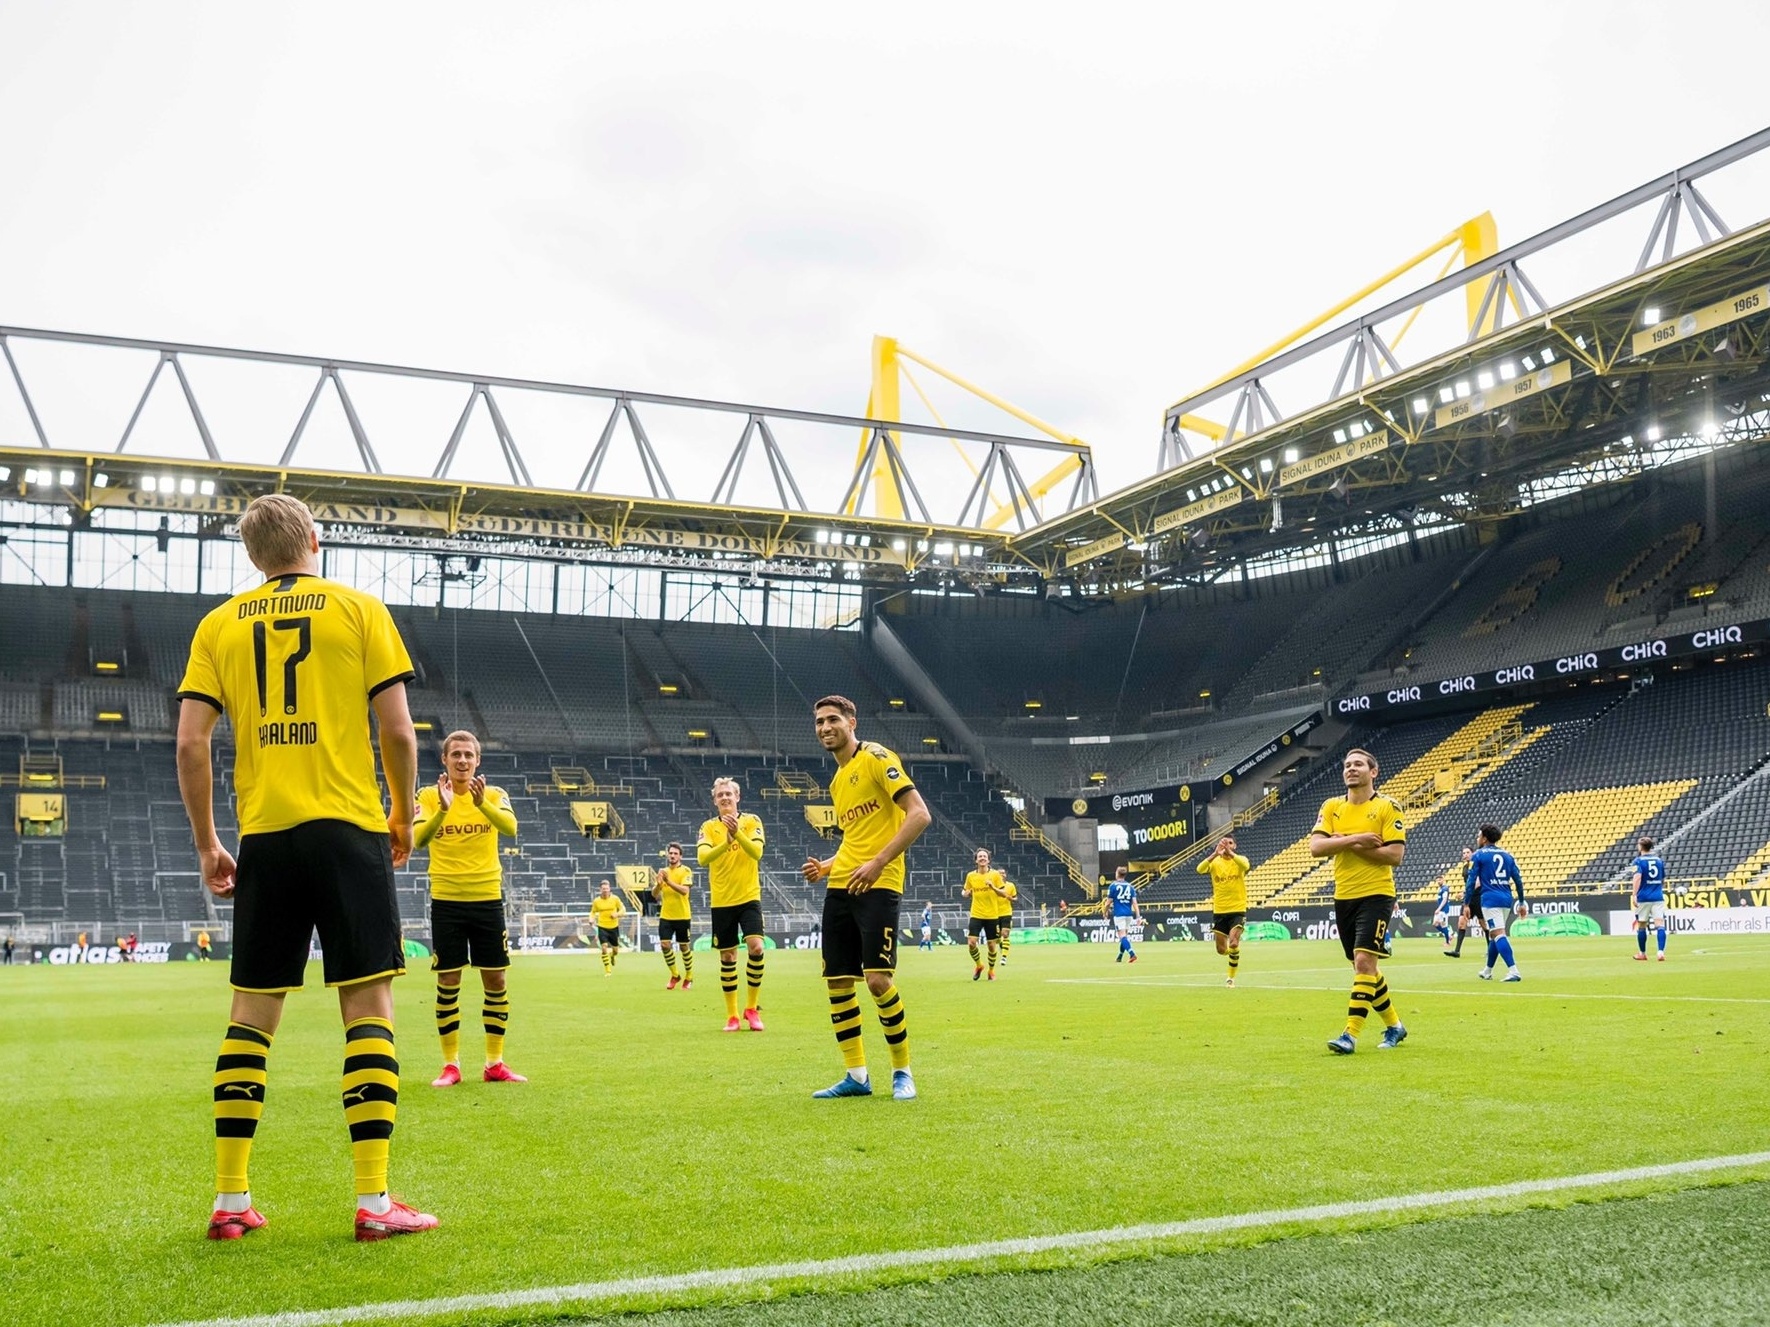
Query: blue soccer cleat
[[1343, 1044], [847, 1086], [903, 1087], [1392, 1037]]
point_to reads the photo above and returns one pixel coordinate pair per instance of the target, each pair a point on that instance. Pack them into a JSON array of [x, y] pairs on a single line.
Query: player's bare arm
[[399, 764], [196, 785], [915, 820]]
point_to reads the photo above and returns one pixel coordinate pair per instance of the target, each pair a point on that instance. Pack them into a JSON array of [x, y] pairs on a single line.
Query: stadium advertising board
[[1701, 921], [1170, 804], [1649, 650]]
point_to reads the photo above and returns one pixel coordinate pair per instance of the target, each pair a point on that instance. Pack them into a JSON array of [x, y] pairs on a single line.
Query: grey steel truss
[[1366, 357], [882, 452]]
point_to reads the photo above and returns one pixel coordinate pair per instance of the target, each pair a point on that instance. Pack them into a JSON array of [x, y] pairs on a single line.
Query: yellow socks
[[1380, 1002], [845, 1019], [1363, 992], [753, 981], [897, 1030], [371, 1098], [728, 982], [448, 1021], [239, 1103], [497, 1022]]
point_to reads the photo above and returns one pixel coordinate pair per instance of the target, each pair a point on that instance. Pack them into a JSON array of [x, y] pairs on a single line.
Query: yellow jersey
[[293, 665], [986, 904], [1007, 904], [674, 907], [464, 866], [734, 866], [1353, 876], [606, 912], [1229, 881], [865, 792]]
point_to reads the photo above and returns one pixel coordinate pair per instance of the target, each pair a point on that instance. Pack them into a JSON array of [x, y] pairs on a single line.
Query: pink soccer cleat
[[753, 1017], [449, 1077], [733, 1025], [397, 1220], [502, 1073], [234, 1225]]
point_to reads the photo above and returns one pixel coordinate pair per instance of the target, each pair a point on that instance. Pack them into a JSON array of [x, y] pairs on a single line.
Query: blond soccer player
[[460, 819], [298, 665], [730, 847]]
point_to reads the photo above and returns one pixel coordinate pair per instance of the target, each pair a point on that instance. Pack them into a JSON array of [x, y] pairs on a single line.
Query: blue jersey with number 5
[[1652, 871]]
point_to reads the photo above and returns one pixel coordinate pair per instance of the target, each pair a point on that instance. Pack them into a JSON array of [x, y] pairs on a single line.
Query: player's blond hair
[[725, 781], [460, 735], [277, 531]]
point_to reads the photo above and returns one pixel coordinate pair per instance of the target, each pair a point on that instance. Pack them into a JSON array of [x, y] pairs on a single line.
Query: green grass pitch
[[1071, 1095]]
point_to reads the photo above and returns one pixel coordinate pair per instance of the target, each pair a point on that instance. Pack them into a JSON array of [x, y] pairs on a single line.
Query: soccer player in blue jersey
[[1496, 880], [927, 927], [1469, 917], [1441, 914], [1121, 898], [1648, 899]]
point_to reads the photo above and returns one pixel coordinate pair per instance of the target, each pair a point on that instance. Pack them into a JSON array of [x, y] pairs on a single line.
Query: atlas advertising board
[[1570, 667]]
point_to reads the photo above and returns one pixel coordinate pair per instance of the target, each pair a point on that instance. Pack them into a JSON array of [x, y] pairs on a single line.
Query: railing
[[1031, 833]]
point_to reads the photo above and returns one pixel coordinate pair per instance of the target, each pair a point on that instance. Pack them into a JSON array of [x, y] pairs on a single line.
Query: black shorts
[[860, 932], [325, 875], [609, 936], [674, 928], [1363, 922], [1225, 922], [740, 919], [468, 934], [987, 927]]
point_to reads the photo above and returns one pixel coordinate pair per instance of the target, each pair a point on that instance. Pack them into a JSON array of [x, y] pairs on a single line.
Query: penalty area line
[[592, 1292]]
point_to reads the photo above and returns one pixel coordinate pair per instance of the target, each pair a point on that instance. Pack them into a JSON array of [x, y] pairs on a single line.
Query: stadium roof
[[1562, 397]]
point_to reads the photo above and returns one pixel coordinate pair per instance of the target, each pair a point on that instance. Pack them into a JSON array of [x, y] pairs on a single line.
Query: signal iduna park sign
[[1651, 650]]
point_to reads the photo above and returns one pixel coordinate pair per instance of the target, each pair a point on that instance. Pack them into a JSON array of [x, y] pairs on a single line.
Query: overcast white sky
[[1091, 209]]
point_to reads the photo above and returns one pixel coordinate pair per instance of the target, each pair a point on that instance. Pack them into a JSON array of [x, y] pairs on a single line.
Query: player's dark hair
[[1645, 844], [1490, 833], [1119, 873], [1360, 751], [669, 846], [838, 702]]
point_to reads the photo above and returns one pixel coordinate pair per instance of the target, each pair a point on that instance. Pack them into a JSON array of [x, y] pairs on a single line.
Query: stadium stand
[[653, 711]]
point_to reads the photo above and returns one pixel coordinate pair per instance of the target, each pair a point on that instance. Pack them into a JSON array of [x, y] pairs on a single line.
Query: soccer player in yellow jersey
[[730, 847], [984, 887], [297, 665], [606, 910], [879, 813], [1364, 834], [1228, 870], [670, 887], [460, 820], [1005, 922]]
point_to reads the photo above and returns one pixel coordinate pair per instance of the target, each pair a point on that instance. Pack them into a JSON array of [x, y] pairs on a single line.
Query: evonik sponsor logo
[[1124, 801]]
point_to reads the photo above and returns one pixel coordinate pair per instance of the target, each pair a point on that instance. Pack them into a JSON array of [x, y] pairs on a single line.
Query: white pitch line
[[629, 1287], [1478, 993]]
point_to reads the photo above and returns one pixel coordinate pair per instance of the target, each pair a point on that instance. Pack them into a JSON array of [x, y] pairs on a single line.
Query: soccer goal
[[544, 931]]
